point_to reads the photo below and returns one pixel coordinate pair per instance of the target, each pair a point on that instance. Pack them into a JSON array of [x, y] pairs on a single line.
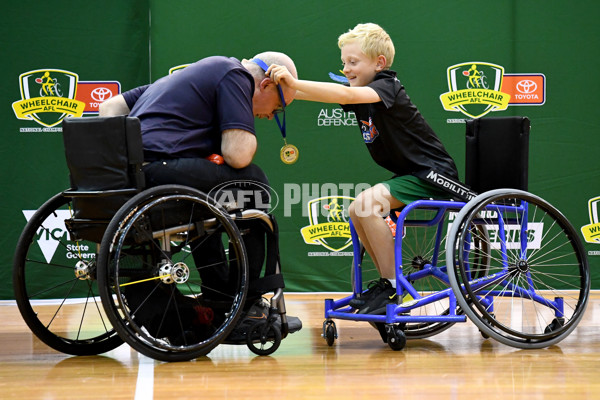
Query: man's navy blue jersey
[[183, 114]]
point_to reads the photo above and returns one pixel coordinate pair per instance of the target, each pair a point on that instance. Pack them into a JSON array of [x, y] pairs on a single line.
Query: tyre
[[329, 332], [423, 255], [55, 287], [173, 273], [396, 338], [263, 338], [537, 272]]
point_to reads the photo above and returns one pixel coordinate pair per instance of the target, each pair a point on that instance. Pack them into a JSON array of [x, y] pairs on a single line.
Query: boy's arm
[[324, 92], [327, 92]]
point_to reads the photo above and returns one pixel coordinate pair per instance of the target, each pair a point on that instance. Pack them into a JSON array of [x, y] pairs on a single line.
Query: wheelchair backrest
[[497, 153], [104, 156], [103, 153]]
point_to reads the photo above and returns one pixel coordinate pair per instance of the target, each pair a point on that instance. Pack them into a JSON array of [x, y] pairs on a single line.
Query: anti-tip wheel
[[263, 339], [329, 332], [396, 338]]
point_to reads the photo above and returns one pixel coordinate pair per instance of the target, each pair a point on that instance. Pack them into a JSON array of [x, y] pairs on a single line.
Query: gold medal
[[288, 153]]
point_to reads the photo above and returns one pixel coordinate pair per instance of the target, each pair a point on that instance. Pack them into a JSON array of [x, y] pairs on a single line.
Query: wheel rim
[[529, 279], [184, 324], [54, 279]]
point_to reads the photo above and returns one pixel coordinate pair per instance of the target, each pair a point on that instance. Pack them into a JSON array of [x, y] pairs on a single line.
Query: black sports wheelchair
[[108, 260], [505, 259]]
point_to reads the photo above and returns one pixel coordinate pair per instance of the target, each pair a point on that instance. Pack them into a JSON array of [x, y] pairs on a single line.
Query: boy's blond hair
[[373, 39]]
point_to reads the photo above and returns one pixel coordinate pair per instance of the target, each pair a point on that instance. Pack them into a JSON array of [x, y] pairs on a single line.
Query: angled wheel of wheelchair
[[536, 287], [173, 273], [54, 281], [424, 246], [419, 251]]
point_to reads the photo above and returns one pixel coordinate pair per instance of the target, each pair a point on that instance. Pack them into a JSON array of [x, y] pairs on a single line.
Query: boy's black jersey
[[396, 134]]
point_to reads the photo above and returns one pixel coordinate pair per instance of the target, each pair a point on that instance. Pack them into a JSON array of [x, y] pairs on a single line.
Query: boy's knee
[[364, 206], [352, 210]]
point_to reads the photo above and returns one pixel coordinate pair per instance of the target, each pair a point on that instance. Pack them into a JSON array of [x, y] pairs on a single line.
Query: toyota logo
[[526, 86], [100, 94]]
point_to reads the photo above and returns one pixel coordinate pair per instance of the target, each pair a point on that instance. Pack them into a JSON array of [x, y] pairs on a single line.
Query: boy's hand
[[280, 74]]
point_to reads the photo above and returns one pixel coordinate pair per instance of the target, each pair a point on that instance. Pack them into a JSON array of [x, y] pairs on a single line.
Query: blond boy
[[397, 137]]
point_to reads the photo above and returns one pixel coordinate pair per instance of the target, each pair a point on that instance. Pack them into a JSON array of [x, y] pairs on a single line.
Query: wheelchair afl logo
[[329, 226], [48, 96], [475, 89], [591, 232]]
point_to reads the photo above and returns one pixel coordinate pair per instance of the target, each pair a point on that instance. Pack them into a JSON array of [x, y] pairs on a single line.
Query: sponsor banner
[[525, 89], [48, 96], [336, 117], [512, 233], [55, 230], [94, 93], [477, 88]]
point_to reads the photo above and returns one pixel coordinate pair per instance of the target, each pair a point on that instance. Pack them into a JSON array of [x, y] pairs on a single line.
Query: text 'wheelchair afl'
[[164, 269], [505, 259]]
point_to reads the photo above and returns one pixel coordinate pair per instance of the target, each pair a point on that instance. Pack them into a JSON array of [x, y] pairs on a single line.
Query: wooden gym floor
[[455, 364]]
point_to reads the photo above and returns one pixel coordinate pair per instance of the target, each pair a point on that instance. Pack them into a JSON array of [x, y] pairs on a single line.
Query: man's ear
[[381, 63], [264, 83]]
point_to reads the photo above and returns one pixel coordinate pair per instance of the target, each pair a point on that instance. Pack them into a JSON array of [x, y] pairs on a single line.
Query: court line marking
[[144, 386]]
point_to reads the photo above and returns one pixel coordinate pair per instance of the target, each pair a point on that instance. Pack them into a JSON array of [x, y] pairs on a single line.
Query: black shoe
[[258, 312], [376, 305], [373, 289]]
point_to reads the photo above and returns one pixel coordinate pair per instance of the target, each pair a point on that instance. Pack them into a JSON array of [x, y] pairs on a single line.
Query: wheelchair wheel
[[424, 246], [536, 286], [173, 273], [54, 281]]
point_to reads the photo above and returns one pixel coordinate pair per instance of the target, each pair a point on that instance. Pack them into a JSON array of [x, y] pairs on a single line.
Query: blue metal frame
[[397, 313]]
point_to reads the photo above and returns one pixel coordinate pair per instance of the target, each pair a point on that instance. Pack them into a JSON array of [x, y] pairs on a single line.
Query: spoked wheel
[[537, 283], [173, 273], [424, 248], [54, 280], [263, 338]]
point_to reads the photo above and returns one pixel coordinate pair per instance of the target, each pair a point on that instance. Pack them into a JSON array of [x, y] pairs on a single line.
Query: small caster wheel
[[329, 332], [396, 338], [556, 324], [263, 339]]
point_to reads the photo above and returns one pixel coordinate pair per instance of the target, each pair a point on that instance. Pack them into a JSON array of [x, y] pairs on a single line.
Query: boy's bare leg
[[367, 213]]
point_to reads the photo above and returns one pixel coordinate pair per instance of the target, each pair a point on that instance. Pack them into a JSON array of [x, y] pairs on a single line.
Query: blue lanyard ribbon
[[280, 124]]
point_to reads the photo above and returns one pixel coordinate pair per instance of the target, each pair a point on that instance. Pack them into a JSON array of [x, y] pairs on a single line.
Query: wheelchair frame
[[472, 289], [144, 243]]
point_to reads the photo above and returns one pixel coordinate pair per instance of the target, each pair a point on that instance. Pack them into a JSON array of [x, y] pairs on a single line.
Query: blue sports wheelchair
[[110, 261], [505, 259]]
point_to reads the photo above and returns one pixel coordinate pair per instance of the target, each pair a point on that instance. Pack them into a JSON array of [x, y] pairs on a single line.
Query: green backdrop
[[124, 44]]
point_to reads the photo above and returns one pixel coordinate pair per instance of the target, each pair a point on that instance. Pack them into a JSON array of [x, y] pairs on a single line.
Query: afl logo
[[101, 93], [526, 86]]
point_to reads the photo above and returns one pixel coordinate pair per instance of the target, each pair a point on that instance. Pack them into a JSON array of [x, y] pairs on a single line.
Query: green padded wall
[[546, 52]]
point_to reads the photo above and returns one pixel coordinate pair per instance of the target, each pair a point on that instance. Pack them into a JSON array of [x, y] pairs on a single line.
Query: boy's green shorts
[[409, 188]]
